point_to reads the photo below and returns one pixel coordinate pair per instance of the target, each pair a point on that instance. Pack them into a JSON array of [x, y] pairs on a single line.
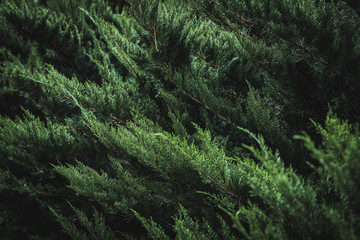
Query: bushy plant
[[194, 119]]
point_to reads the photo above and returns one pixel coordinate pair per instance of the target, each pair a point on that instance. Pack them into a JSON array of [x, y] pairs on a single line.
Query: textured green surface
[[193, 119]]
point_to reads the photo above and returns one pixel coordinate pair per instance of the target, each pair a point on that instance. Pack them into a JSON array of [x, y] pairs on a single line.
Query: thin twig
[[203, 58], [236, 15], [156, 47], [142, 16], [207, 107], [124, 56], [309, 219], [216, 3], [217, 184]]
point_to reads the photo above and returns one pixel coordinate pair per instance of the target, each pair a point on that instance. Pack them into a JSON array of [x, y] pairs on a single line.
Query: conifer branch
[[156, 47], [94, 110], [317, 61], [316, 225], [146, 162], [216, 3], [204, 59], [148, 28], [206, 107], [216, 183], [250, 22], [124, 55]]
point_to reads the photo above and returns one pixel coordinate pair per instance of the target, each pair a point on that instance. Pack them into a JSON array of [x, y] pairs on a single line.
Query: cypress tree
[[193, 119]]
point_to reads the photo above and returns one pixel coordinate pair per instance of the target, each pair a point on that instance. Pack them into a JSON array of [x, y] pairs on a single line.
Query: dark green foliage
[[135, 119]]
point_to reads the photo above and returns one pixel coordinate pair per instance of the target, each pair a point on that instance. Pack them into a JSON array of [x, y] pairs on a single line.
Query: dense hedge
[[193, 119]]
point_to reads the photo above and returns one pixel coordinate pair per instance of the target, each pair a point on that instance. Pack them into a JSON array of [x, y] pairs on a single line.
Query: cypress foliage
[[193, 119]]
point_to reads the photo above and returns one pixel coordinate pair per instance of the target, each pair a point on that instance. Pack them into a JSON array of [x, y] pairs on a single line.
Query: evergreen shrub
[[192, 119]]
